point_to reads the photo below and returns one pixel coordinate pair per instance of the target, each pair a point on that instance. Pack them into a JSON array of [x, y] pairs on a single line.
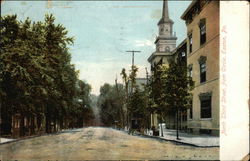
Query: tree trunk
[[60, 124], [161, 126], [177, 127], [180, 121], [28, 125], [48, 123], [153, 120], [21, 125], [175, 121], [54, 126], [32, 125]]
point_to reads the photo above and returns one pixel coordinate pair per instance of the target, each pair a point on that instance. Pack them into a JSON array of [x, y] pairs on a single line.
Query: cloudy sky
[[104, 31]]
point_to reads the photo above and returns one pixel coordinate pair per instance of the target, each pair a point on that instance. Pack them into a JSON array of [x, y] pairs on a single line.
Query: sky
[[104, 31]]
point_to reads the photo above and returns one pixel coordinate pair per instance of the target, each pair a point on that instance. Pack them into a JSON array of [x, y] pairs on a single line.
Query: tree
[[177, 88], [132, 77], [109, 104], [21, 83], [62, 88], [130, 84], [83, 111], [137, 105], [157, 92], [36, 76], [121, 111], [125, 79]]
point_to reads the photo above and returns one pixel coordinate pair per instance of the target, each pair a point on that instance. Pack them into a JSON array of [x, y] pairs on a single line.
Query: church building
[[167, 52]]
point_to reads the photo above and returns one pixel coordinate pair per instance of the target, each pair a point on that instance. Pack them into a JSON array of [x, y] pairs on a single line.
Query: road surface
[[96, 143]]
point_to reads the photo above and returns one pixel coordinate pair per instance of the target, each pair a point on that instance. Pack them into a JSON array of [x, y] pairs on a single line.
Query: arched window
[[167, 49]]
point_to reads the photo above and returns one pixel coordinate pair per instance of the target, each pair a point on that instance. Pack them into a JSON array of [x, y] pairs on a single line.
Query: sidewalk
[[5, 140], [196, 140]]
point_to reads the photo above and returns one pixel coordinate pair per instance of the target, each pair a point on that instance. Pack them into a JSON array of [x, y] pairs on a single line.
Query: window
[[190, 70], [160, 62], [191, 111], [202, 26], [202, 62], [161, 30], [206, 110], [203, 72], [183, 54], [190, 38], [167, 49]]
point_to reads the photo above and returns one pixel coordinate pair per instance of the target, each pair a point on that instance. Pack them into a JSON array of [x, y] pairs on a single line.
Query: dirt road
[[96, 143]]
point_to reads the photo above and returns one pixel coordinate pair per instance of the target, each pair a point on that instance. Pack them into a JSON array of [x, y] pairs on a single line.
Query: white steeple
[[166, 41]]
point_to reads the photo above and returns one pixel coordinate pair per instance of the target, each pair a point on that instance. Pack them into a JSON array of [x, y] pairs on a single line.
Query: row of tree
[[170, 91], [166, 91], [37, 79]]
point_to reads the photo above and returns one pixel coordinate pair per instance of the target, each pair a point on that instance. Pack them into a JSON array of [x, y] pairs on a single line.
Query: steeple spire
[[165, 9], [165, 14]]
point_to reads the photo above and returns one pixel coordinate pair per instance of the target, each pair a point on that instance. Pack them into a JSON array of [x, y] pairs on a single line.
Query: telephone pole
[[133, 63], [133, 55], [146, 74], [129, 112]]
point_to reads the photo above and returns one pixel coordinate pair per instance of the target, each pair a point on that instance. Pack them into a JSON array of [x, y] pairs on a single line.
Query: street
[[96, 143]]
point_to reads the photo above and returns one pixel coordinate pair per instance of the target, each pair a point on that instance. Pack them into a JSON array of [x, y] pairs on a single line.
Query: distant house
[[139, 82]]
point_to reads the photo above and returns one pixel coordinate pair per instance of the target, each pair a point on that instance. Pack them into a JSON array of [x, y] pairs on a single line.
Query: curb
[[34, 136], [24, 138], [178, 142], [30, 137]]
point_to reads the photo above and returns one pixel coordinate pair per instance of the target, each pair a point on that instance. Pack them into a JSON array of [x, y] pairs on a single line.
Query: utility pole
[[133, 63], [146, 74], [133, 55]]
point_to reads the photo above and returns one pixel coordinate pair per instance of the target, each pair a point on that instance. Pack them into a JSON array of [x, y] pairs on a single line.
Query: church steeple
[[166, 40], [165, 14], [165, 9]]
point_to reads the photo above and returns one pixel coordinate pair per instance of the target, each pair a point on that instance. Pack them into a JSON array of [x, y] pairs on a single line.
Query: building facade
[[202, 20]]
